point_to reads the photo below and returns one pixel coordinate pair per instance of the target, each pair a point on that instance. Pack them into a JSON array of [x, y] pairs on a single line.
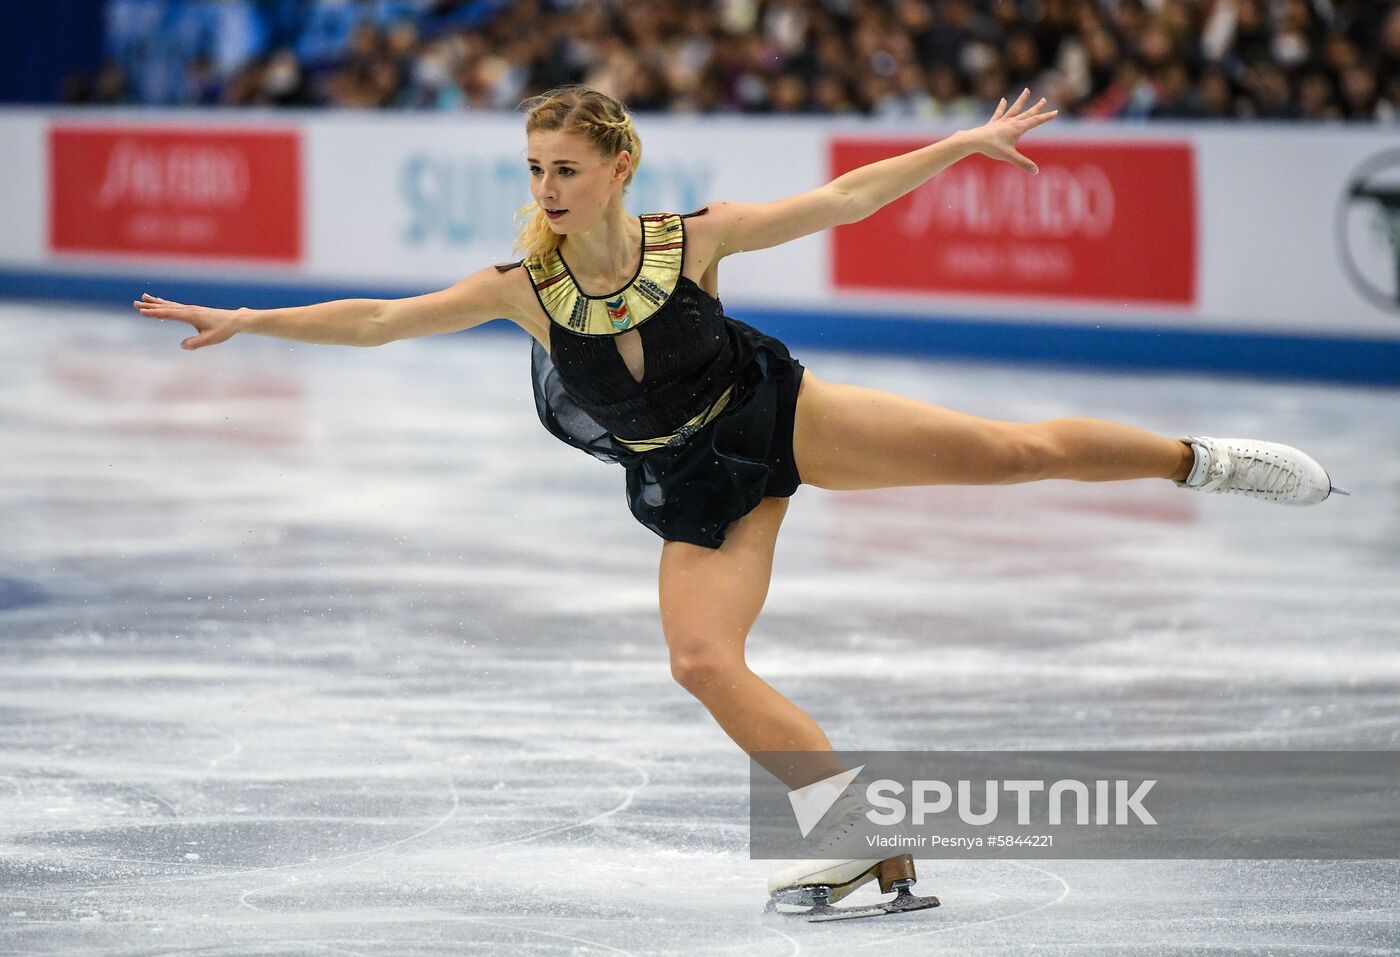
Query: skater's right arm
[[479, 298]]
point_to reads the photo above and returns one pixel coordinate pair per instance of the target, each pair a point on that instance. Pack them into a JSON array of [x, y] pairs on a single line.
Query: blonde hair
[[595, 116]]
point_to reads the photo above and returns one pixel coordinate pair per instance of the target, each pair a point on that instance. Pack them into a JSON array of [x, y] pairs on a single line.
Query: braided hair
[[595, 116]]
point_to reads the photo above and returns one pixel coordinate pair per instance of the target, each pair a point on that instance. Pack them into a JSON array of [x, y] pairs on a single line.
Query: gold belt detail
[[683, 434]]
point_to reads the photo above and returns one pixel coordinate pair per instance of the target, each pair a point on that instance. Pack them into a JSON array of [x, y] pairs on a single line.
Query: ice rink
[[319, 650]]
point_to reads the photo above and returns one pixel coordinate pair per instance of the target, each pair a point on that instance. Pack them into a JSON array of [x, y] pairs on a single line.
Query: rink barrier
[[1358, 361], [1253, 248]]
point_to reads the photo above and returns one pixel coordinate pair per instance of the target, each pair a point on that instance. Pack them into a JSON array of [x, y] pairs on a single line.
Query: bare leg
[[853, 437], [710, 599]]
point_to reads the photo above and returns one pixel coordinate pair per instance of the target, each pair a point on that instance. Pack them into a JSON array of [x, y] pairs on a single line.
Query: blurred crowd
[[1142, 59]]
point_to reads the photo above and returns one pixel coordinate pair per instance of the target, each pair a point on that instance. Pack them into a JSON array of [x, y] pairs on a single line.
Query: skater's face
[[570, 180]]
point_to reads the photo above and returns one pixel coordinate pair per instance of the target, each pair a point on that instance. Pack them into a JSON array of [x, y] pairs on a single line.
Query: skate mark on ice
[[1064, 892], [354, 857], [235, 752], [245, 901], [292, 946], [242, 872], [550, 933], [796, 947], [140, 860], [1263, 738], [174, 811], [602, 815]]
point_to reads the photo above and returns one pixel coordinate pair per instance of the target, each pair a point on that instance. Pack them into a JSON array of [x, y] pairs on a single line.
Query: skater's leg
[[853, 437], [710, 598]]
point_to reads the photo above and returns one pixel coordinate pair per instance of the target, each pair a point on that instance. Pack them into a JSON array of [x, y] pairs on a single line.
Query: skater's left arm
[[740, 227]]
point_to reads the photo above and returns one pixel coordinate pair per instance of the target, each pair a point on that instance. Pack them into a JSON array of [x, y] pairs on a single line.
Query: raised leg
[[710, 599], [854, 437]]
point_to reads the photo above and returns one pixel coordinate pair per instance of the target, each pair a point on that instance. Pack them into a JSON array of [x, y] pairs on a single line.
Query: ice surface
[[318, 650]]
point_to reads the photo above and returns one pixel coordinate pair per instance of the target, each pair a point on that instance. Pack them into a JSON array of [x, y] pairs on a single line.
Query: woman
[[715, 423]]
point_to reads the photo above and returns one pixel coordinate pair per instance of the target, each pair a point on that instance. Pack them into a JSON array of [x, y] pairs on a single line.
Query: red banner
[[189, 191], [1111, 222]]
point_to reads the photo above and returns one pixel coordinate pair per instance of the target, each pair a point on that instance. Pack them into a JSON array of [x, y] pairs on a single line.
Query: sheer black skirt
[[692, 492]]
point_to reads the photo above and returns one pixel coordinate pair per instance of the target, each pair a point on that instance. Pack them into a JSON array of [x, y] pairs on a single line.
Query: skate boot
[[812, 886], [1267, 470]]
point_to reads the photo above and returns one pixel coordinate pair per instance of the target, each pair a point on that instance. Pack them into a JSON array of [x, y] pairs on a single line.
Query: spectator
[[108, 87], [1389, 61], [1217, 94], [949, 95], [1359, 93], [203, 83], [432, 83], [1172, 59], [1270, 91], [1175, 96], [1317, 97], [788, 94], [283, 81]]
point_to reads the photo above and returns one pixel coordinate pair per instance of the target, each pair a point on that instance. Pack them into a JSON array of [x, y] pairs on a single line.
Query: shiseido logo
[[1062, 202], [191, 176], [1368, 229]]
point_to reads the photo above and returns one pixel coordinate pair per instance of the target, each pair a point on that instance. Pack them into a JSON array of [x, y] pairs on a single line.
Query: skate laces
[[1237, 470], [1266, 474]]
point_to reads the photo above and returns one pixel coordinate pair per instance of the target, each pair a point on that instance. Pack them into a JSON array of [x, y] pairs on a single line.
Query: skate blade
[[1338, 491], [818, 913]]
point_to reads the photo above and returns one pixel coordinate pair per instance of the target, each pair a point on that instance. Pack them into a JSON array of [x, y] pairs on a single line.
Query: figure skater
[[715, 423]]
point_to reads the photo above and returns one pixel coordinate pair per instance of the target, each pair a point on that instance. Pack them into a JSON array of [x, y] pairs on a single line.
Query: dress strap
[[507, 267], [699, 212]]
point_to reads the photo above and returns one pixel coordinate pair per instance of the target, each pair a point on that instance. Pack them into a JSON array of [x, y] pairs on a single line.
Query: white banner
[[1267, 228], [24, 188], [427, 201]]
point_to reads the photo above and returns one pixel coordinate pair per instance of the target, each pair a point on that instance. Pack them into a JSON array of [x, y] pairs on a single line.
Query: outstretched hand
[[213, 325], [997, 137]]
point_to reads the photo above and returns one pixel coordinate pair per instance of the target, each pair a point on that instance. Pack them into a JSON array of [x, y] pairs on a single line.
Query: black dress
[[707, 432]]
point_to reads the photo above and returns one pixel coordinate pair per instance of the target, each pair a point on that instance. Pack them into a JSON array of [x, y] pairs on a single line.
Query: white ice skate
[[1267, 470], [808, 888]]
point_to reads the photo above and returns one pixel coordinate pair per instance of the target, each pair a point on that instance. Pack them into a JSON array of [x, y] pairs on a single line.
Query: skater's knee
[[703, 671]]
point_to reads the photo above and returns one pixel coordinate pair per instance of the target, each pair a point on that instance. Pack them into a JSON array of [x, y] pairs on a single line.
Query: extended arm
[[855, 195], [479, 298]]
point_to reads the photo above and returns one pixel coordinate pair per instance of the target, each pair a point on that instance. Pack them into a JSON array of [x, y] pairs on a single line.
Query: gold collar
[[663, 254]]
